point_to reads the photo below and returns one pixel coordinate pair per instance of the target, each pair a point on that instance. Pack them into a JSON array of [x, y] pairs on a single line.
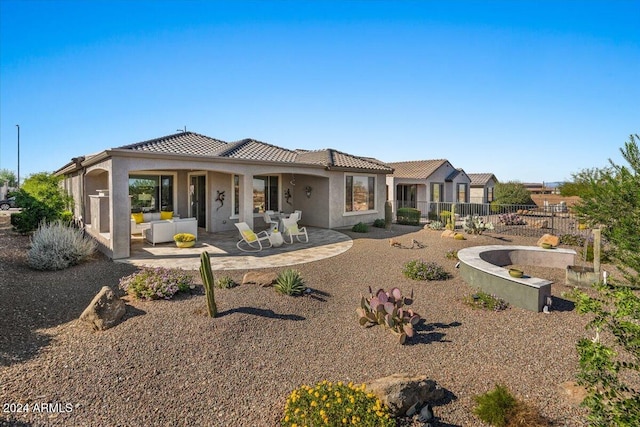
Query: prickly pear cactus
[[389, 309]]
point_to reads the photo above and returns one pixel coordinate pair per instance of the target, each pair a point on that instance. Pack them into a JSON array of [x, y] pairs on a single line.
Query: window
[[436, 192], [151, 193], [265, 194], [360, 193], [489, 194], [406, 195], [462, 193]]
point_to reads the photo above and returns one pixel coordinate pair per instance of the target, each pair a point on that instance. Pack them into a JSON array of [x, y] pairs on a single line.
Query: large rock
[[263, 279], [104, 311], [401, 391], [447, 233], [551, 239]]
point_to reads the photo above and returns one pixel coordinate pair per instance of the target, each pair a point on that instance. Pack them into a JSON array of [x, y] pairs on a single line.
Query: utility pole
[[18, 126]]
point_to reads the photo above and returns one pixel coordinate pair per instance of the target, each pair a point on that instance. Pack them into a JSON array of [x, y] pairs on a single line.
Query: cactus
[[388, 215], [388, 309], [208, 282]]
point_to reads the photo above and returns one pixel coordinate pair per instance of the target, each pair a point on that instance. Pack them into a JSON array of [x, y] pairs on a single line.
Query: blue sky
[[531, 91]]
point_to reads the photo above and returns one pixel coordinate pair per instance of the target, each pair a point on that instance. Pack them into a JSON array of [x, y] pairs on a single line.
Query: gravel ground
[[169, 364]]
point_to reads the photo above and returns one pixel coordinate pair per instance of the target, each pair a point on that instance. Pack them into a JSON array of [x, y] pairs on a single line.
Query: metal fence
[[515, 220]]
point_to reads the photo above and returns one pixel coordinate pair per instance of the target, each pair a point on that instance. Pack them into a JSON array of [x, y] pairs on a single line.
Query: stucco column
[[120, 211], [246, 199]]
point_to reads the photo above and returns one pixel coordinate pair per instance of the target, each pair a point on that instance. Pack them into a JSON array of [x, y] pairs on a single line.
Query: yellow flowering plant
[[335, 404], [184, 237]]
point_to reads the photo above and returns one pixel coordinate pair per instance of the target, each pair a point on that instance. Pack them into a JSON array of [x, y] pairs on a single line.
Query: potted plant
[[184, 240]]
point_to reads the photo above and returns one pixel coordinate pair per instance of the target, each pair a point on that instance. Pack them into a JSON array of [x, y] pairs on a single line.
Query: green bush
[[494, 407], [451, 254], [360, 227], [41, 199], [379, 223], [486, 301], [408, 216], [289, 282], [335, 404], [56, 246], [420, 270], [225, 282], [156, 283]]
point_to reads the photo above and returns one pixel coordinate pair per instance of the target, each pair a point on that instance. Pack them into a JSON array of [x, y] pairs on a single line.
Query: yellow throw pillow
[[166, 215], [138, 217], [249, 236]]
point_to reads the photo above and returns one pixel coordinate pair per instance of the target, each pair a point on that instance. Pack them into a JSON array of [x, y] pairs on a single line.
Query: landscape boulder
[[448, 233], [263, 279], [104, 311], [402, 391], [551, 239]]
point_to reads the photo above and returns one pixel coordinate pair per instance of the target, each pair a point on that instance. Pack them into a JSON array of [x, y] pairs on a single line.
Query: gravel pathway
[[168, 364]]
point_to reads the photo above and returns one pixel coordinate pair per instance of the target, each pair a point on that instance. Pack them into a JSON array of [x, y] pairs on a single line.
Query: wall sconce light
[[308, 190]]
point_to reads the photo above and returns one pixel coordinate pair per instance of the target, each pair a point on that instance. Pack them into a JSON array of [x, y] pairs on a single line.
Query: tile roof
[[333, 158], [418, 169], [179, 143], [480, 179], [249, 149], [191, 143]]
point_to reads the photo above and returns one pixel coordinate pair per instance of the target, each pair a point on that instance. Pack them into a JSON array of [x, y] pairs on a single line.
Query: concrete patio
[[323, 243]]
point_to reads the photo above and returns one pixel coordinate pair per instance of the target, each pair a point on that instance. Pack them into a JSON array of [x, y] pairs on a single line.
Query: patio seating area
[[225, 255]]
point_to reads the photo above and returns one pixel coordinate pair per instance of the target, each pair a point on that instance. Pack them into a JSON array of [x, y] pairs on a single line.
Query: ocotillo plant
[[208, 282]]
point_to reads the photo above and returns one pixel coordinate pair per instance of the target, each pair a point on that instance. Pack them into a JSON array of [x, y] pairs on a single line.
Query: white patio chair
[[291, 229], [251, 239], [299, 212], [272, 223]]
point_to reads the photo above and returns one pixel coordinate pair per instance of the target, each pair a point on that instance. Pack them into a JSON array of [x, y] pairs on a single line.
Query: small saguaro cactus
[[208, 282], [388, 215]]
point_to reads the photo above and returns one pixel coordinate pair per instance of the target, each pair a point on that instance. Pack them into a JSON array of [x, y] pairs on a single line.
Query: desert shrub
[[572, 239], [486, 301], [501, 409], [56, 246], [495, 406], [41, 199], [225, 282], [156, 283], [289, 282], [360, 227], [436, 225], [408, 216], [451, 254], [184, 237], [379, 223], [335, 404], [420, 270], [511, 219]]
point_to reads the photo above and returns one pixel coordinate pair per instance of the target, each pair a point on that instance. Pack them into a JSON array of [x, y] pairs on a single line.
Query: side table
[[276, 239]]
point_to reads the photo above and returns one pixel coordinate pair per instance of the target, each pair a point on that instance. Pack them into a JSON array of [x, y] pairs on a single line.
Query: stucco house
[[482, 185], [424, 184], [219, 183]]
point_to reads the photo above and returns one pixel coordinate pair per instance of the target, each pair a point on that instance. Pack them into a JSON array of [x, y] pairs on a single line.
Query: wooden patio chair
[[251, 239], [292, 229]]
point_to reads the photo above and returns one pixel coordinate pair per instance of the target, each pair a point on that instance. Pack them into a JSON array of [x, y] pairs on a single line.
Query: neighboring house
[[220, 183], [482, 187], [423, 184]]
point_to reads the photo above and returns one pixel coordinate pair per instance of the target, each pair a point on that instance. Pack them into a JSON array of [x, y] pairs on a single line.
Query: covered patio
[[221, 246]]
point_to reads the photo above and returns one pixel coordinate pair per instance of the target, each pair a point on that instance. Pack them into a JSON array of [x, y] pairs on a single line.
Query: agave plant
[[289, 282], [388, 309]]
